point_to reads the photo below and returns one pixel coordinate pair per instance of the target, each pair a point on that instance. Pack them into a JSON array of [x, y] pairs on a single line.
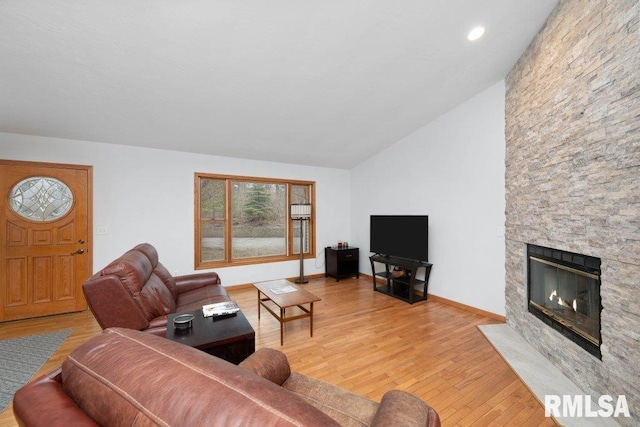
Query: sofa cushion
[[269, 364], [196, 298], [156, 298], [401, 408], [128, 377], [347, 408], [134, 270], [168, 280], [160, 270]]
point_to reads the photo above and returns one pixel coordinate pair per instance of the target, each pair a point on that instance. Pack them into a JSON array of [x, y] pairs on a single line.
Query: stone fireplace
[[572, 183]]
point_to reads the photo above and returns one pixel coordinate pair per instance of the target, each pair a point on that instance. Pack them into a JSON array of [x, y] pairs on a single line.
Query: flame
[[561, 302]]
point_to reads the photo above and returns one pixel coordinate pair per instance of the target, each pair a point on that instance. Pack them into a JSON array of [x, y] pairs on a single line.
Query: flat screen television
[[404, 236]]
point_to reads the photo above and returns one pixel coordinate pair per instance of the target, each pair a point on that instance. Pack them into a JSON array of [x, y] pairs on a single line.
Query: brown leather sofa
[[136, 291], [127, 377]]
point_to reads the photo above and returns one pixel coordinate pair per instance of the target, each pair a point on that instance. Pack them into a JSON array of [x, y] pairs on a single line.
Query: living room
[[452, 168]]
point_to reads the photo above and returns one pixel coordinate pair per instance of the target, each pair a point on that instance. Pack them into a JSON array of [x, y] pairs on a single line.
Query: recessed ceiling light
[[476, 33]]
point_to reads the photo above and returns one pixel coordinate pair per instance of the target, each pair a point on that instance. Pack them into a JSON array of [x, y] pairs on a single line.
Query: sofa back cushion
[[158, 269], [163, 274], [128, 377], [135, 272]]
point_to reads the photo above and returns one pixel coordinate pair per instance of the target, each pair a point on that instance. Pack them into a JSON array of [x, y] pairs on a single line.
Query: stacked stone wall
[[573, 180]]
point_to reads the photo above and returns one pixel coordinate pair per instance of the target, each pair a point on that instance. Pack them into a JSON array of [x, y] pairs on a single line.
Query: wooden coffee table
[[228, 337], [285, 294]]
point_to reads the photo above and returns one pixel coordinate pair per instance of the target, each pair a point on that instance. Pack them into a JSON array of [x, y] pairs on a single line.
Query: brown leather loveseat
[[127, 377], [136, 291]]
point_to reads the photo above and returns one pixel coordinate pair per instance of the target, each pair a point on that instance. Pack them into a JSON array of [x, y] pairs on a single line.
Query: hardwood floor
[[368, 343]]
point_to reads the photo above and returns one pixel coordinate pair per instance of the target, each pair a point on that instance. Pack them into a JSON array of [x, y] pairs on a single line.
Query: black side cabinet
[[341, 262]]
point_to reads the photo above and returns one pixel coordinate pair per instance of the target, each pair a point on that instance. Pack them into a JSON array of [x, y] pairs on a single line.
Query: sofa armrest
[[45, 395], [112, 305], [269, 364], [190, 282], [402, 408]]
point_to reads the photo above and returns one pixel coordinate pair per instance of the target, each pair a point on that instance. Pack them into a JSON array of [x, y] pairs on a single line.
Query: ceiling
[[326, 83]]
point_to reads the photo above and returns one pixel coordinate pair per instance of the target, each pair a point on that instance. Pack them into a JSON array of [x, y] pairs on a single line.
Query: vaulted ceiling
[[326, 83]]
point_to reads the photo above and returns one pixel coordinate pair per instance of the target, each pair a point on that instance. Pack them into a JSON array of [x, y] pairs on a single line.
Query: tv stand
[[403, 287]]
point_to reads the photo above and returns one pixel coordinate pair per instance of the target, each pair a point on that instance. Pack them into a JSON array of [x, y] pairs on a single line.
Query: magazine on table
[[283, 290], [220, 308]]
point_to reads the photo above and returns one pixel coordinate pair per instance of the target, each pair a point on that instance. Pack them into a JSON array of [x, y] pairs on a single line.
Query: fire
[[561, 302]]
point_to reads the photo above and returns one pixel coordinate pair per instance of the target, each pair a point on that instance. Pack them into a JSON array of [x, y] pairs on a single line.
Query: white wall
[[146, 195], [452, 170]]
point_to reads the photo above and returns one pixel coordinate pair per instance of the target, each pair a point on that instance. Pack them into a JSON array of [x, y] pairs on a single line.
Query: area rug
[[21, 358]]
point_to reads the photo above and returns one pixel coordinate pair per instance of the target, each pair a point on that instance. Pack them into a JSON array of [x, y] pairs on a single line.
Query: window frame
[[227, 222]]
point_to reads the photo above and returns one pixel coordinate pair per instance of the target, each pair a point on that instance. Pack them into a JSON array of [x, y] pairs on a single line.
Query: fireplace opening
[[564, 292]]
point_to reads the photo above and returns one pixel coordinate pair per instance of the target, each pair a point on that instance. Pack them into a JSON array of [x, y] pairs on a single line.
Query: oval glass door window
[[41, 198]]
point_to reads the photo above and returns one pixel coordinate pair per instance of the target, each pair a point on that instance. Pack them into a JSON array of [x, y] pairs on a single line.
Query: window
[[245, 220], [41, 198]]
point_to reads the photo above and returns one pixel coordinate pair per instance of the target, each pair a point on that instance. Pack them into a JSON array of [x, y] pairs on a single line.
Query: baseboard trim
[[291, 279], [432, 297], [469, 308]]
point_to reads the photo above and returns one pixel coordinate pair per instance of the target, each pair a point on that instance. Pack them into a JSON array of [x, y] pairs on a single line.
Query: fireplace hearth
[[564, 292]]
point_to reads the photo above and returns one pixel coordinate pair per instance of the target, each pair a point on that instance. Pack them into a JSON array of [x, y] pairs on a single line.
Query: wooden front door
[[45, 252]]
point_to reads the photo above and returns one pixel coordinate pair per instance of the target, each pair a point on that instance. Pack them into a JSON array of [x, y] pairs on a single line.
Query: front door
[[45, 252]]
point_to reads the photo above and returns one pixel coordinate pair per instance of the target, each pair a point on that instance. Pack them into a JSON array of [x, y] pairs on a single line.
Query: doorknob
[[79, 251]]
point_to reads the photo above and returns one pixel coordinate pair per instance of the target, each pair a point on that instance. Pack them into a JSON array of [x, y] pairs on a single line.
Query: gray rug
[[21, 358]]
